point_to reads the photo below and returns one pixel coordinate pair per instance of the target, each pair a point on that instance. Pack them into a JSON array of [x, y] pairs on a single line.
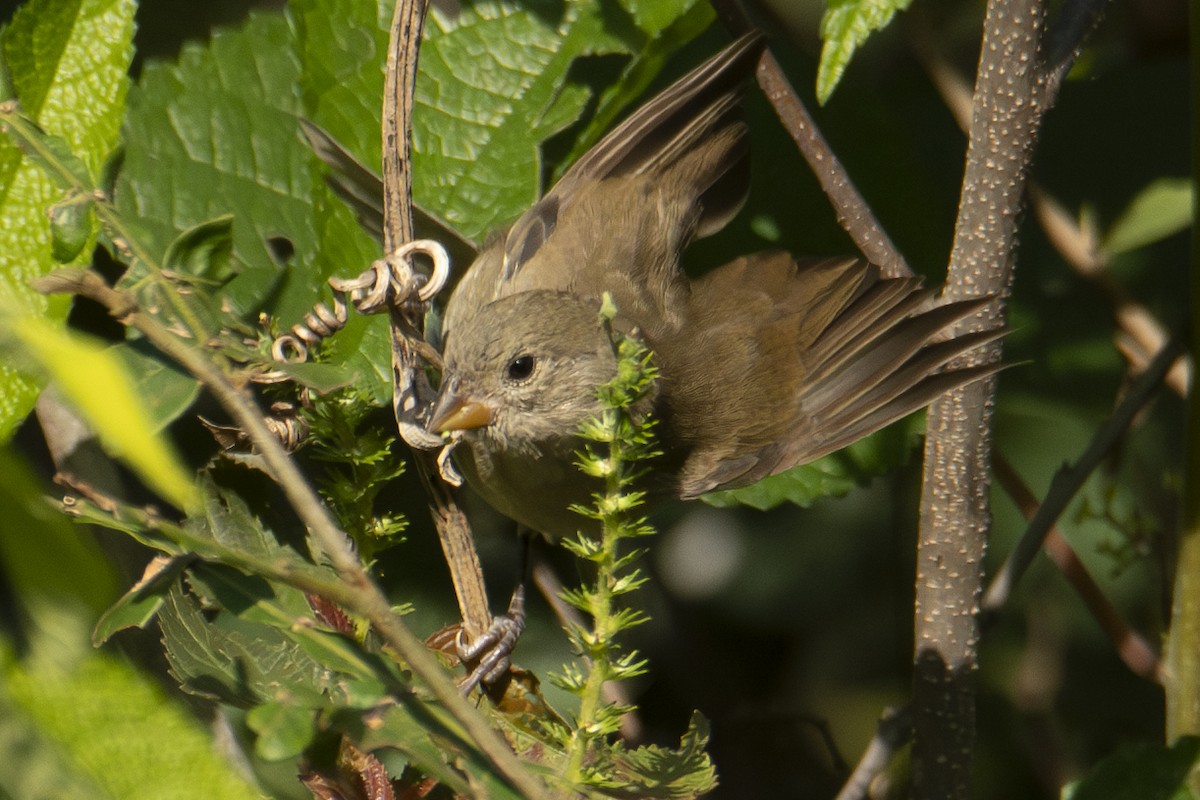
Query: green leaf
[[653, 771], [218, 133], [67, 63], [646, 60], [141, 604], [255, 600], [427, 735], [320, 377], [654, 16], [168, 391], [71, 227], [844, 27], [1160, 210], [492, 87], [231, 660], [203, 250], [284, 729], [1143, 772], [832, 476], [93, 380], [36, 768], [228, 520], [117, 734]]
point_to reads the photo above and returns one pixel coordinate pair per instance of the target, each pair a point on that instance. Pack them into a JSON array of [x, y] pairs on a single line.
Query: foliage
[[844, 28], [72, 84], [215, 212], [617, 444]]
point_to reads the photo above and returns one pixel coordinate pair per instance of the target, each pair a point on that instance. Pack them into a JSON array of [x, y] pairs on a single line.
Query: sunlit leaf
[[140, 604], [96, 382], [845, 26], [1161, 209], [67, 63], [1142, 772], [117, 732]]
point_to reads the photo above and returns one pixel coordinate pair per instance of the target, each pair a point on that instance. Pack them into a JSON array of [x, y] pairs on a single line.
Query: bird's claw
[[491, 652]]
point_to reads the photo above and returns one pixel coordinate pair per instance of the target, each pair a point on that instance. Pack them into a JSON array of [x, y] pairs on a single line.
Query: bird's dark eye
[[520, 368]]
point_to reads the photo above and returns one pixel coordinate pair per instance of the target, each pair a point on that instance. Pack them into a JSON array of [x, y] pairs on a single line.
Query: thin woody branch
[[413, 393], [853, 213], [1131, 646], [1068, 480]]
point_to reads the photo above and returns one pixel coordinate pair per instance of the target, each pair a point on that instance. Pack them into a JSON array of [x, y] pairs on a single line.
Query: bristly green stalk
[[619, 444], [361, 465]]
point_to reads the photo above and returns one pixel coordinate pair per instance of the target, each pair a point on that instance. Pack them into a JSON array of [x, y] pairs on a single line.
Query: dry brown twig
[[853, 213], [413, 395], [1130, 645]]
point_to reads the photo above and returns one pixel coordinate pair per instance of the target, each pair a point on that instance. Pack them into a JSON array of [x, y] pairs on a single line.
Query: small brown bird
[[765, 363]]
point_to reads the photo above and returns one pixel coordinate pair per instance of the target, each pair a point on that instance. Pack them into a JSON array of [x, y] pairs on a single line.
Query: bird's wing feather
[[834, 349]]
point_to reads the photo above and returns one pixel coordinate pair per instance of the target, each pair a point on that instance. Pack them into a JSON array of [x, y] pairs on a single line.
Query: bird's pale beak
[[455, 412]]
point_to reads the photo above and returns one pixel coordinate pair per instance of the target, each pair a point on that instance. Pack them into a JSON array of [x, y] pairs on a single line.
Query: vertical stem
[[591, 697], [1183, 644], [411, 388], [954, 503]]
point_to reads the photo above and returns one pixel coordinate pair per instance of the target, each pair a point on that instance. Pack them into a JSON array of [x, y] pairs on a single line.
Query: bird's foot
[[490, 653]]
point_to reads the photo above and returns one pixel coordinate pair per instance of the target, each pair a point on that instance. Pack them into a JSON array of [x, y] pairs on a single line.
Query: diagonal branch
[[853, 213], [1131, 646], [1068, 480]]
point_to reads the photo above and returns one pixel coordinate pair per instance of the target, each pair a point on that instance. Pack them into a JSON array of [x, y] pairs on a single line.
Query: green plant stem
[[601, 598], [32, 140], [360, 594], [591, 698]]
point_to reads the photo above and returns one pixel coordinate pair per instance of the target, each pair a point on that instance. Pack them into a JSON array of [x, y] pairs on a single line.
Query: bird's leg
[[491, 653]]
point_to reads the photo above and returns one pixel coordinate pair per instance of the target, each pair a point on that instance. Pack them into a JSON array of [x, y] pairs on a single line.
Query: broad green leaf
[[218, 133], [834, 475], [141, 604], [1144, 772], [284, 729], [342, 47], [167, 390], [66, 62], [1161, 209], [231, 660], [117, 734], [646, 60], [844, 27], [492, 87], [95, 381], [654, 16]]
